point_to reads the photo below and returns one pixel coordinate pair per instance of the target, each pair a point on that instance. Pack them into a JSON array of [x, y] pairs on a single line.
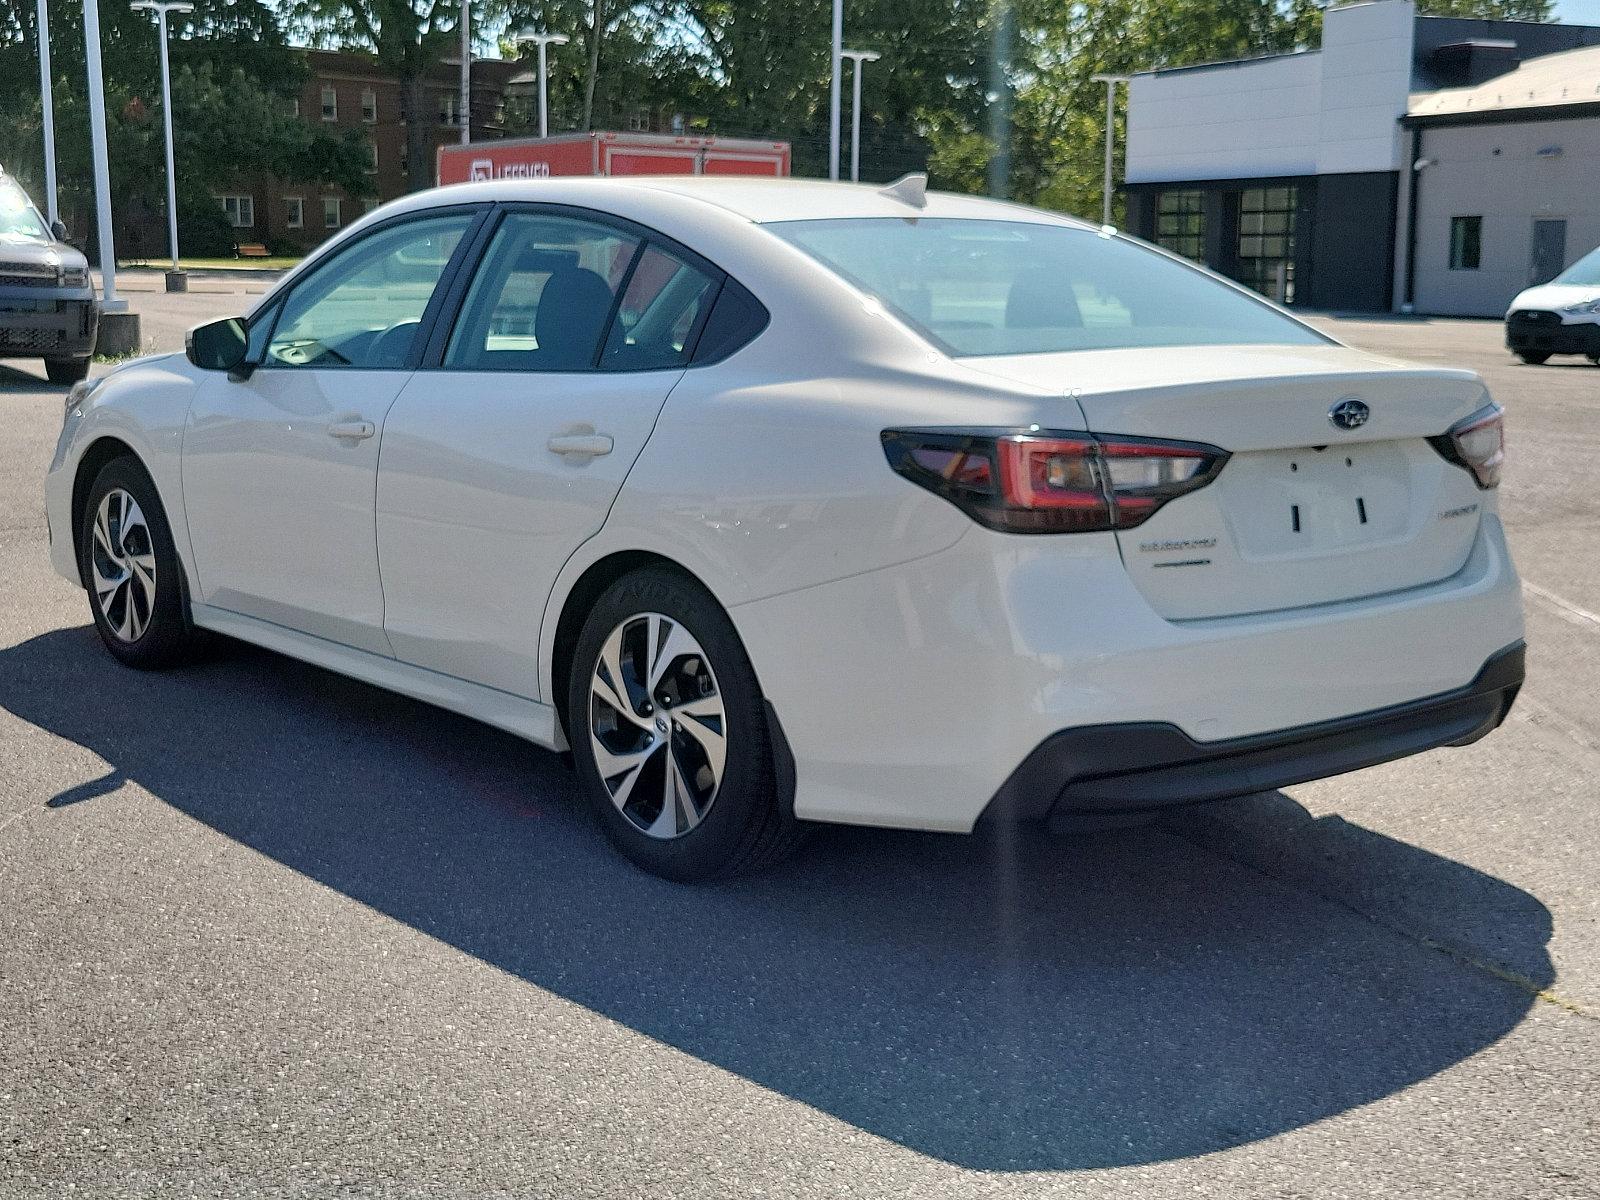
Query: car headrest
[[572, 313]]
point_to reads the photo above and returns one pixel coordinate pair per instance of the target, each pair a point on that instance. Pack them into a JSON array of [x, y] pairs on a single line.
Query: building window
[[1266, 241], [372, 156], [241, 210], [330, 212], [370, 203], [294, 215], [369, 106], [1181, 223], [449, 109], [330, 104], [1466, 243], [639, 119], [294, 106]]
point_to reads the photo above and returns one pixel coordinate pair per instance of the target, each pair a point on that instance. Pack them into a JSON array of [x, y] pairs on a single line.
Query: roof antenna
[[908, 189]]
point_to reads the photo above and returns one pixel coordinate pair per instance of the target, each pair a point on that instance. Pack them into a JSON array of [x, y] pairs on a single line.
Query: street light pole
[[833, 89], [543, 40], [109, 301], [466, 71], [175, 281], [858, 57], [47, 112], [1111, 82]]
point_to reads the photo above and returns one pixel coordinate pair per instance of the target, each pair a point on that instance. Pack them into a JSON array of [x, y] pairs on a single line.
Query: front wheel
[[66, 370], [130, 567], [1534, 358], [669, 733]]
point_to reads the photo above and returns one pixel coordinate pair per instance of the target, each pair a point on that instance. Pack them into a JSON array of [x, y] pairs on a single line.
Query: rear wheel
[[669, 733], [66, 370], [1534, 358], [131, 570]]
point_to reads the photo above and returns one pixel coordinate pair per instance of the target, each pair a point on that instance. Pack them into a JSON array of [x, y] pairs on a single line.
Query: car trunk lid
[[1305, 511]]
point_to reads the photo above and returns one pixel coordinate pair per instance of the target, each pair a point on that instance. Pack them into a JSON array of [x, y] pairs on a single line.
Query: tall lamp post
[[48, 113], [1111, 82], [859, 58], [466, 71], [176, 280], [837, 56], [543, 40]]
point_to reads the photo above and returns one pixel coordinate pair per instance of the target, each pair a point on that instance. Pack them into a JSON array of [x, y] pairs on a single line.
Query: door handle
[[355, 431], [581, 445]]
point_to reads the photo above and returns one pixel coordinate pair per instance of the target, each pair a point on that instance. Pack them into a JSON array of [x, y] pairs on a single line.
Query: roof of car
[[759, 200]]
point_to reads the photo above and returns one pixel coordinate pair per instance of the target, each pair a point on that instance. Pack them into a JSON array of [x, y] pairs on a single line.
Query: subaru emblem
[[1349, 413]]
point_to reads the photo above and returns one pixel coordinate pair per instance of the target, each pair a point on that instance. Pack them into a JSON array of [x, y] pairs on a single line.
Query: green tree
[[409, 38], [233, 73]]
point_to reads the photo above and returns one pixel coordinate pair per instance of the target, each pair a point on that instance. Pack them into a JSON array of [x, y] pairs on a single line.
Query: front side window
[[543, 296], [976, 287], [362, 308], [1466, 243]]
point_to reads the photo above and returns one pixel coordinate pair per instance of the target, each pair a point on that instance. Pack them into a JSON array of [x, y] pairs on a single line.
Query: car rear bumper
[[1546, 333], [911, 695], [46, 326], [1143, 767]]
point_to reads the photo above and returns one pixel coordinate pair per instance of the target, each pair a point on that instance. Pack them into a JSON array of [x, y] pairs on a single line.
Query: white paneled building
[[1410, 161]]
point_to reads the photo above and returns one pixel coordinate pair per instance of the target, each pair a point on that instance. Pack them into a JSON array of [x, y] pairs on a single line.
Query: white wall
[[1494, 171], [1303, 114]]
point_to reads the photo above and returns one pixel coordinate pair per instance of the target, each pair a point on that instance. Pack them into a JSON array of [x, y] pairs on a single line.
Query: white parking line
[[1565, 609]]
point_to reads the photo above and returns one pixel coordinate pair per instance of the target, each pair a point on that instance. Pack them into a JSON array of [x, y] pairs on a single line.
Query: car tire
[[66, 370], [130, 569], [1534, 358], [689, 786]]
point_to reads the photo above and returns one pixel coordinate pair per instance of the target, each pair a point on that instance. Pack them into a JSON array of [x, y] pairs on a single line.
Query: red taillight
[[1477, 443], [1048, 482]]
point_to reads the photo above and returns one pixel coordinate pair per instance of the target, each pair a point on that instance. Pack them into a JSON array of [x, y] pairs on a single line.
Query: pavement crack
[[1458, 954]]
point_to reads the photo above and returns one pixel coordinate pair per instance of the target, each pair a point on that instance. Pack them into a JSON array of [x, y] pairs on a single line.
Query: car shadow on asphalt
[[13, 380], [1009, 1003]]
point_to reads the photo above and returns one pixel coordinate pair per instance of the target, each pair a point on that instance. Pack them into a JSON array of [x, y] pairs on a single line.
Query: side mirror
[[58, 229], [218, 346]]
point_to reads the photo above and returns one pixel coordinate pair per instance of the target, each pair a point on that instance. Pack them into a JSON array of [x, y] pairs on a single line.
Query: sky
[[1578, 12]]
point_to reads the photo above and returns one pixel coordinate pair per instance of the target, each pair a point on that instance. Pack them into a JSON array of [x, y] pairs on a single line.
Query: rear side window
[[662, 309], [543, 296], [976, 287], [735, 320]]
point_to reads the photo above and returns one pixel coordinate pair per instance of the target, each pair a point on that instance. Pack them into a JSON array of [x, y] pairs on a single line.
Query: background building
[[1296, 174], [348, 91]]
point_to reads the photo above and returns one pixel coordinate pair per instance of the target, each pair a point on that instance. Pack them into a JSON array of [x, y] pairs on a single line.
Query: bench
[[251, 250]]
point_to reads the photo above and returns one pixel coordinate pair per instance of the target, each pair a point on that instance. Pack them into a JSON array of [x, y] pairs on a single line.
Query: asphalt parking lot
[[266, 931]]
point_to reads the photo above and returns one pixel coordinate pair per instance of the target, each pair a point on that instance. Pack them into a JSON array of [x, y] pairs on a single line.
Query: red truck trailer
[[610, 154]]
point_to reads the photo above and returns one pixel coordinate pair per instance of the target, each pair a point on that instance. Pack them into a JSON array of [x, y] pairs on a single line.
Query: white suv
[[780, 502]]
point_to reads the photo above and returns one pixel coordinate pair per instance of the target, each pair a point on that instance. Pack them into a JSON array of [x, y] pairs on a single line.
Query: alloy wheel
[[123, 559], [657, 725]]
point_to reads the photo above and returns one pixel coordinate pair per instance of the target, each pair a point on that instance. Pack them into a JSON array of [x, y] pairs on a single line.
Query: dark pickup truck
[[47, 304]]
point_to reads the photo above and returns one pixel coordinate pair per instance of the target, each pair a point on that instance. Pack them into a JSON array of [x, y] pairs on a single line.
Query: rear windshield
[[977, 287], [1584, 273]]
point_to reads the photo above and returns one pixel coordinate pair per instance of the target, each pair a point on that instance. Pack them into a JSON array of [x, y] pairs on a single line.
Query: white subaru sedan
[[780, 502]]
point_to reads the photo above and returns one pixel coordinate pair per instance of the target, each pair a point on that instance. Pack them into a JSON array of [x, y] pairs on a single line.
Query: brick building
[[349, 91]]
